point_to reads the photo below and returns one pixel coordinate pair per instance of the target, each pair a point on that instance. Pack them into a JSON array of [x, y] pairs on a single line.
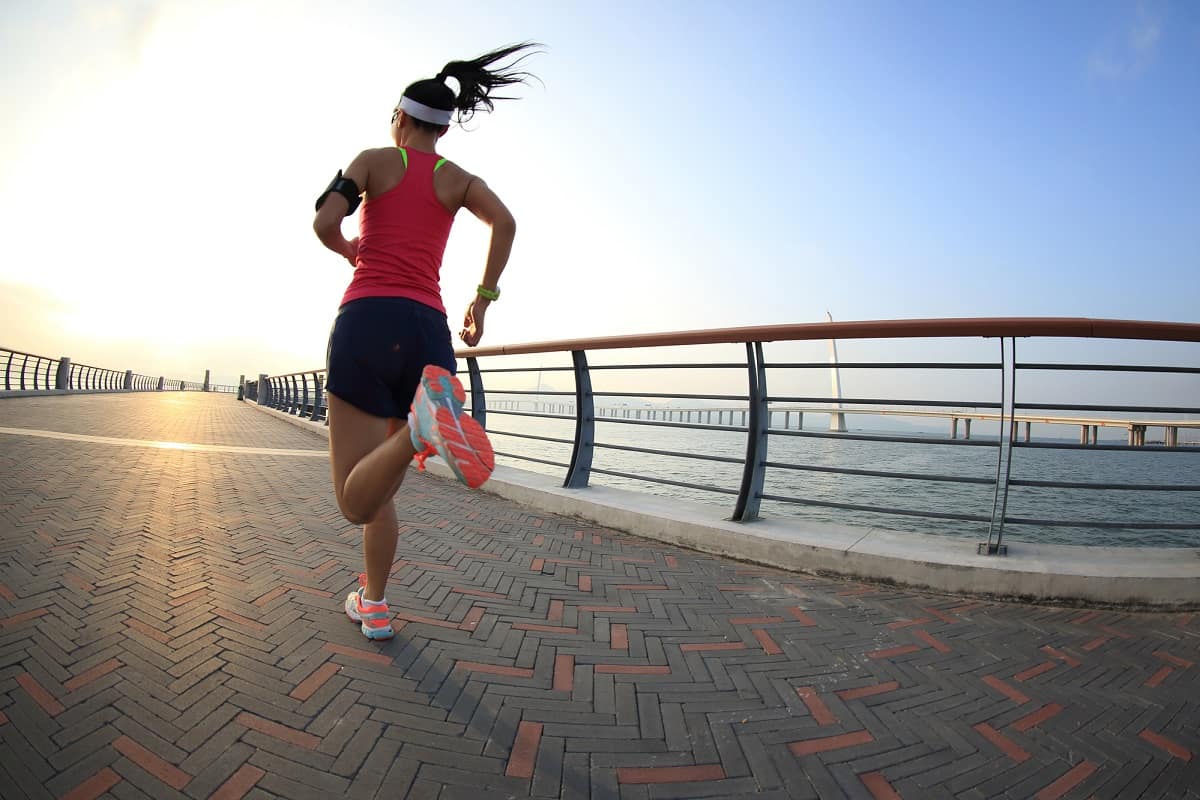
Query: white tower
[[837, 422]]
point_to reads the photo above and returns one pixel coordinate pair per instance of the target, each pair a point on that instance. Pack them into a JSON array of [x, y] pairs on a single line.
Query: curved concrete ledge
[[1163, 578]]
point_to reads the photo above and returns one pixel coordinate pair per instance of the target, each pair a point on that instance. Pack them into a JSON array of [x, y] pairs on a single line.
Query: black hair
[[475, 82]]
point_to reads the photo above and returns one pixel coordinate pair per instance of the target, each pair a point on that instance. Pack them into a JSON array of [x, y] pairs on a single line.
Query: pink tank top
[[402, 237]]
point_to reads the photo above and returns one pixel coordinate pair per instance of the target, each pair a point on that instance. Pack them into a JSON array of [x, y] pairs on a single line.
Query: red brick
[[77, 581], [942, 615], [1037, 717], [471, 620], [1005, 745], [524, 751], [188, 598], [769, 645], [354, 652], [878, 786], [1095, 643], [239, 783], [1075, 776], [630, 669], [494, 669], [40, 695], [564, 672], [936, 644], [893, 651], [309, 686], [672, 562], [867, 691], [7, 593], [239, 619], [1004, 689], [1163, 743], [1070, 660], [801, 617], [816, 706], [276, 731], [278, 591], [537, 565], [1182, 663], [1033, 672], [96, 672], [94, 786], [165, 771], [3, 718], [24, 616], [585, 583], [618, 635], [827, 743], [692, 647], [555, 613], [1157, 678], [690, 774], [1085, 618]]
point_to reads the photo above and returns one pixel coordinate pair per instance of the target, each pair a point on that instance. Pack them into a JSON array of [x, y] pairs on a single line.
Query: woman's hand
[[351, 253], [472, 330]]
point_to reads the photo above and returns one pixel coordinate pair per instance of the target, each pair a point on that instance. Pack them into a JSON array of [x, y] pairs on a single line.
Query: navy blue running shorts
[[378, 347]]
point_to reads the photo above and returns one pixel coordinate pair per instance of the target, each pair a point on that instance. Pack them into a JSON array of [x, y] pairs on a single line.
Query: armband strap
[[346, 188], [486, 293]]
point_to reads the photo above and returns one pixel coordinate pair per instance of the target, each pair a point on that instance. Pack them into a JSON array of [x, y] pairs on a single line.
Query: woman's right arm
[[328, 222]]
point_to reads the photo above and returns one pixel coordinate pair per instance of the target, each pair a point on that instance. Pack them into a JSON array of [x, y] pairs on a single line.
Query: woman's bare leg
[[368, 463], [379, 550]]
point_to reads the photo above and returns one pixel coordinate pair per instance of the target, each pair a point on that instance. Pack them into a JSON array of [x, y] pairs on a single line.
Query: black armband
[[346, 188]]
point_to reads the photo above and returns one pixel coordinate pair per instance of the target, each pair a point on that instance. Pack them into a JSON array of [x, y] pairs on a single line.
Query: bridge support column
[[128, 384], [1172, 436], [162, 382], [954, 427], [966, 429], [1028, 426], [1095, 434], [1083, 434]]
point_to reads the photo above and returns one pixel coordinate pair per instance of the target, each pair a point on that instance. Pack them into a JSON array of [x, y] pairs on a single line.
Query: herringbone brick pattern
[[171, 626]]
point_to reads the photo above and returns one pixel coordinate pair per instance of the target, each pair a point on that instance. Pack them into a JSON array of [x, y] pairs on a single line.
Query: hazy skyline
[[680, 166]]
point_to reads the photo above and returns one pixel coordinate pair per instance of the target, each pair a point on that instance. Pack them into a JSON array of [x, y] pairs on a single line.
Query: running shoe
[[439, 426], [374, 618]]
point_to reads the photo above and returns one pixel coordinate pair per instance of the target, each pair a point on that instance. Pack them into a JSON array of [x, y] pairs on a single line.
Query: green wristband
[[487, 294]]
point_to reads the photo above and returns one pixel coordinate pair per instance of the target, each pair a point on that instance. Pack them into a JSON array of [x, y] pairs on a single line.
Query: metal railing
[[29, 372], [990, 394]]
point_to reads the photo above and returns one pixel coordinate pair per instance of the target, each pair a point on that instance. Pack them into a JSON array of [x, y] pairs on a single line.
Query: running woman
[[392, 391]]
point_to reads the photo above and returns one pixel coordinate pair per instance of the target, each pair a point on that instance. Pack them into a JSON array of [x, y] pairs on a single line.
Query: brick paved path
[[171, 626]]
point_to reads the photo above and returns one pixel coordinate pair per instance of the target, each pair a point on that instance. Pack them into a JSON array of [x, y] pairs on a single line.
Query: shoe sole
[[371, 633], [460, 440]]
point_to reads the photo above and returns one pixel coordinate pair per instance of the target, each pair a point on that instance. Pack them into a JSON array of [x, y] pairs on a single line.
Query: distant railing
[[301, 394], [28, 372]]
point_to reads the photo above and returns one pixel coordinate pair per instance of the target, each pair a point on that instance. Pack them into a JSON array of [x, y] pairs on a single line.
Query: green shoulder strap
[[404, 155], [438, 165]]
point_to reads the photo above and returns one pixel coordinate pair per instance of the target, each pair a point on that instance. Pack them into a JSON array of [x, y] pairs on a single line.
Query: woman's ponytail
[[476, 82]]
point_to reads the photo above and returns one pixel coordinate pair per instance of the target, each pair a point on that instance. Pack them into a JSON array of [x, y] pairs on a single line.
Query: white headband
[[418, 110]]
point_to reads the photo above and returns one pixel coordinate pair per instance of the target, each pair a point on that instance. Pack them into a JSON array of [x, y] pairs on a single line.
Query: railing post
[[207, 383], [580, 469], [264, 391], [241, 393], [62, 380], [478, 398], [317, 388], [162, 382], [303, 403], [1008, 397], [754, 471], [128, 385]]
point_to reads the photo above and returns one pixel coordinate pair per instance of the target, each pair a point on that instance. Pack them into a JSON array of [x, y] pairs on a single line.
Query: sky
[[678, 166]]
